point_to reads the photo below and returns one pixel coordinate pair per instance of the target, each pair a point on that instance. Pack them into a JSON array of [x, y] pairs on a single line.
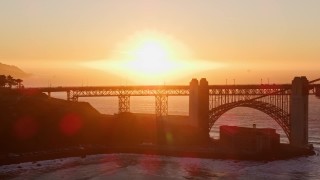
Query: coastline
[[285, 152]]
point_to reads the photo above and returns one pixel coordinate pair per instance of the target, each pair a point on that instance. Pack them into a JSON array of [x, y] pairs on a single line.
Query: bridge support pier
[[161, 105], [71, 97], [194, 102], [161, 102], [199, 106], [299, 112], [124, 104], [68, 95], [204, 108]]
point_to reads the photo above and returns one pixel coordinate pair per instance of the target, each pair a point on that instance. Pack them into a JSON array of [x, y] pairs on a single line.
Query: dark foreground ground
[[36, 127]]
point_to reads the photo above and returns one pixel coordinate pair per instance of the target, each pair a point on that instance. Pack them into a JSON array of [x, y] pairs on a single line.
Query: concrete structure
[[249, 140], [299, 112], [203, 116], [199, 106], [194, 102]]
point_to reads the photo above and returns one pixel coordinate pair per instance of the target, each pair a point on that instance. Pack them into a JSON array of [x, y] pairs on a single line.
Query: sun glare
[[152, 57]]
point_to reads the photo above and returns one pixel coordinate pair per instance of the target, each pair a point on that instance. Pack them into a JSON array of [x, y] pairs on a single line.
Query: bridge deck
[[172, 90]]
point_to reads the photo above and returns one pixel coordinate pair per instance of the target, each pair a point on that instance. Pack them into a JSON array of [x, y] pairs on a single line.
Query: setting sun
[[152, 57]]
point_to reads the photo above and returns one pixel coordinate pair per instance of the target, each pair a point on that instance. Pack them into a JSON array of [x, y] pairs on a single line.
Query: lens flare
[[70, 124]]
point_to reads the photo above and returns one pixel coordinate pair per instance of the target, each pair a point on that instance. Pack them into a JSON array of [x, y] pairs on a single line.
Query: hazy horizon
[[161, 42]]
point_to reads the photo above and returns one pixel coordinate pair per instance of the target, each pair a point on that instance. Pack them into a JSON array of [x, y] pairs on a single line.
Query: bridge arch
[[276, 113]]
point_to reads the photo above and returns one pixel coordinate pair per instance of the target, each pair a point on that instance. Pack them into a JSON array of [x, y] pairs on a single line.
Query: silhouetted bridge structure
[[287, 104]]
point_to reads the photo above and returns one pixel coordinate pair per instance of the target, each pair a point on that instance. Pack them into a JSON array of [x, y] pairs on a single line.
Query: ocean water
[[133, 166]]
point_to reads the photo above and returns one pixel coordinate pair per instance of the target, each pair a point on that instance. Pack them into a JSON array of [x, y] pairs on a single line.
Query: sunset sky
[[243, 36]]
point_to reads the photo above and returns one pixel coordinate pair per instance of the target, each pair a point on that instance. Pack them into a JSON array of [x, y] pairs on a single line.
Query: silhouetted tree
[[19, 82], [10, 81], [3, 80]]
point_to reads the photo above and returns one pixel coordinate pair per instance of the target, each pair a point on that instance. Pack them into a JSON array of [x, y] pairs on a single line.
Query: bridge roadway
[[173, 90]]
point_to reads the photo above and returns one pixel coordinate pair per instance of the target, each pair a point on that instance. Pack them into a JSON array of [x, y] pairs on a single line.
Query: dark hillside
[[12, 70], [35, 122]]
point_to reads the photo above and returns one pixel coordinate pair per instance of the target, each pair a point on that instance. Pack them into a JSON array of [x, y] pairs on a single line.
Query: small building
[[249, 140]]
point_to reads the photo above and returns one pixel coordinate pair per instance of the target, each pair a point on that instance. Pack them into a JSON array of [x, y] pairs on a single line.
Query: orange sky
[[277, 39]]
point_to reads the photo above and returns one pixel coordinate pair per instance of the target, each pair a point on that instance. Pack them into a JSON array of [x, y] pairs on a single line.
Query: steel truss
[[129, 90], [160, 93], [124, 104], [161, 105], [71, 96], [275, 102]]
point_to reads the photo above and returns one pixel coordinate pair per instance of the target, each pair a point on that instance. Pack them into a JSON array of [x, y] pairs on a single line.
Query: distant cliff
[[12, 70]]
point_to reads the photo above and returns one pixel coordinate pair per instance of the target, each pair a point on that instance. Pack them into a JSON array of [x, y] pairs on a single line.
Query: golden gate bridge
[[287, 104]]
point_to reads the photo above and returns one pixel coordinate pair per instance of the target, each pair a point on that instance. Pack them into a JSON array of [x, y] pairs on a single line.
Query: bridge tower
[[299, 112], [194, 102], [203, 116], [199, 106]]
